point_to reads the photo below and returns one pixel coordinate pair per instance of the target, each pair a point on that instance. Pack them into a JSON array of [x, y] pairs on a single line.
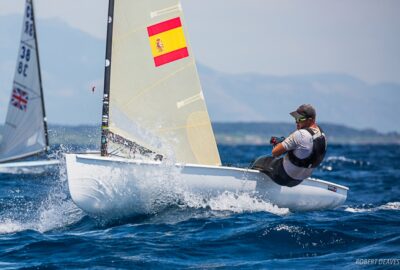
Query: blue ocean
[[41, 228]]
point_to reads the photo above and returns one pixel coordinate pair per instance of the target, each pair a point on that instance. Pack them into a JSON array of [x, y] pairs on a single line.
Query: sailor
[[304, 150]]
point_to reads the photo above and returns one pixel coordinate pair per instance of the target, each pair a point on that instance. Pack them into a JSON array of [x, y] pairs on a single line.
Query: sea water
[[41, 228]]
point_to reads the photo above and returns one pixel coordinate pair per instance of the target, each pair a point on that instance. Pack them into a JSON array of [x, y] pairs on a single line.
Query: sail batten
[[154, 97], [25, 130]]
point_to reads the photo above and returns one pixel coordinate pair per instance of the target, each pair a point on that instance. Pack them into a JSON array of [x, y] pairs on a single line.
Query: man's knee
[[263, 164]]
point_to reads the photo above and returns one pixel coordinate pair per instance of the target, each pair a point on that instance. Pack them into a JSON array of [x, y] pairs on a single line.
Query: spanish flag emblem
[[167, 41]]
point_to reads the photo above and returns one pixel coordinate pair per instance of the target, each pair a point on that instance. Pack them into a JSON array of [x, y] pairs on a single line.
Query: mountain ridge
[[74, 63], [256, 133]]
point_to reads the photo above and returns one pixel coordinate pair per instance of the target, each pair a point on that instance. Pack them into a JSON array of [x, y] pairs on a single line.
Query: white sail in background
[[155, 98], [25, 131]]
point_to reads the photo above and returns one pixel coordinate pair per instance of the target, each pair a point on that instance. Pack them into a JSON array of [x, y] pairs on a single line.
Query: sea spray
[[390, 206], [233, 202], [42, 212]]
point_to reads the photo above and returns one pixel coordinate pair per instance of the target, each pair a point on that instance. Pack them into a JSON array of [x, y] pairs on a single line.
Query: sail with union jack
[[19, 99], [25, 129]]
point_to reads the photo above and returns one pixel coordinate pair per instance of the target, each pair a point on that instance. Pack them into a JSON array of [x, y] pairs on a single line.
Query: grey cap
[[305, 110]]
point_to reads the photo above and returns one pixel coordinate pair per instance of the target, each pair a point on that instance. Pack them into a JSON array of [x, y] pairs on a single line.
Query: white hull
[[117, 187], [29, 164], [28, 167]]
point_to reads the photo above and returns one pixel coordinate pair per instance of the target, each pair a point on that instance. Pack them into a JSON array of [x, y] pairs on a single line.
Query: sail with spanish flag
[[167, 41], [153, 102]]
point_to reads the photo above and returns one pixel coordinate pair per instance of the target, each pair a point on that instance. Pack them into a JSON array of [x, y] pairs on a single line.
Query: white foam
[[49, 217], [55, 211], [290, 229], [57, 215], [167, 188], [8, 225], [346, 160], [388, 206], [52, 215], [341, 158], [327, 168], [391, 206], [236, 203]]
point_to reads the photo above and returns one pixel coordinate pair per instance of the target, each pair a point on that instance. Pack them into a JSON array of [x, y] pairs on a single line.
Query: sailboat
[[157, 140], [25, 129]]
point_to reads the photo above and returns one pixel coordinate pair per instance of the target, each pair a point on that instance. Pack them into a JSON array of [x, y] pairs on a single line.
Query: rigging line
[[116, 151], [152, 86], [120, 156]]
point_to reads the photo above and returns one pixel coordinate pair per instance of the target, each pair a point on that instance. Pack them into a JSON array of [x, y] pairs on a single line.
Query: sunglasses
[[302, 119]]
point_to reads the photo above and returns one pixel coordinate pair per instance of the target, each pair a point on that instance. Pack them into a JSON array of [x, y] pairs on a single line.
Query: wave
[[54, 210], [236, 203], [346, 160], [394, 206], [48, 217]]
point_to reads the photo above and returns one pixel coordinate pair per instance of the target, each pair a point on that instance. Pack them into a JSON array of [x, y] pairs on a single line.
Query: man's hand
[[278, 148], [276, 140]]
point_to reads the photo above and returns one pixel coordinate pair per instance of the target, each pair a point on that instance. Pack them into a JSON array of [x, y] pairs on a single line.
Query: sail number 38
[[24, 59]]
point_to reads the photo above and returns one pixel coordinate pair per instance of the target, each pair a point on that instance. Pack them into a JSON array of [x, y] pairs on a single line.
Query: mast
[[46, 135], [107, 74]]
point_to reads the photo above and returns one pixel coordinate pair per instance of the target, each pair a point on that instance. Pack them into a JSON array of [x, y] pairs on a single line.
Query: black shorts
[[273, 167]]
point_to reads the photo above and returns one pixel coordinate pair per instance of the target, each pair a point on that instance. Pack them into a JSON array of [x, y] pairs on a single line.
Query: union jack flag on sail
[[19, 99]]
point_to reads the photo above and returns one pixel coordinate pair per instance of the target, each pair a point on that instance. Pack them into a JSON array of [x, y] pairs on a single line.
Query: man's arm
[[288, 144], [278, 150]]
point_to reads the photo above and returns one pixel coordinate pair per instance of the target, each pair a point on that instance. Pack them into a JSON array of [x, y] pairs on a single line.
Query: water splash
[[394, 206], [8, 225], [343, 159], [48, 217], [54, 211], [233, 202]]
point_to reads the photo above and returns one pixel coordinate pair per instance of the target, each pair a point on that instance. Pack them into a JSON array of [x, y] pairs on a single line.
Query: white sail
[[25, 131], [154, 98]]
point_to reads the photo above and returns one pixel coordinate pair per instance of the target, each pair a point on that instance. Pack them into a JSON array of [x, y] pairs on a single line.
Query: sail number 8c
[[29, 21], [23, 63]]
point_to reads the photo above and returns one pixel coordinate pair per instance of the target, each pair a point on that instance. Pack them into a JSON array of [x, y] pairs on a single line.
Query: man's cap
[[305, 110]]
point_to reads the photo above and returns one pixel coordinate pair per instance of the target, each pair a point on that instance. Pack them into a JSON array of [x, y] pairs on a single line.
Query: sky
[[275, 37]]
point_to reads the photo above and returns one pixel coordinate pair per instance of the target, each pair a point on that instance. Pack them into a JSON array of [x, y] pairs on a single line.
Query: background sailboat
[[25, 130], [157, 141]]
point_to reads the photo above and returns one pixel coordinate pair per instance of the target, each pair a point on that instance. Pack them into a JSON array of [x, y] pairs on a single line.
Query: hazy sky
[[277, 37]]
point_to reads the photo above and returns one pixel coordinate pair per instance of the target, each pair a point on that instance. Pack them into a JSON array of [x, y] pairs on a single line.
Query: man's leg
[[273, 167]]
